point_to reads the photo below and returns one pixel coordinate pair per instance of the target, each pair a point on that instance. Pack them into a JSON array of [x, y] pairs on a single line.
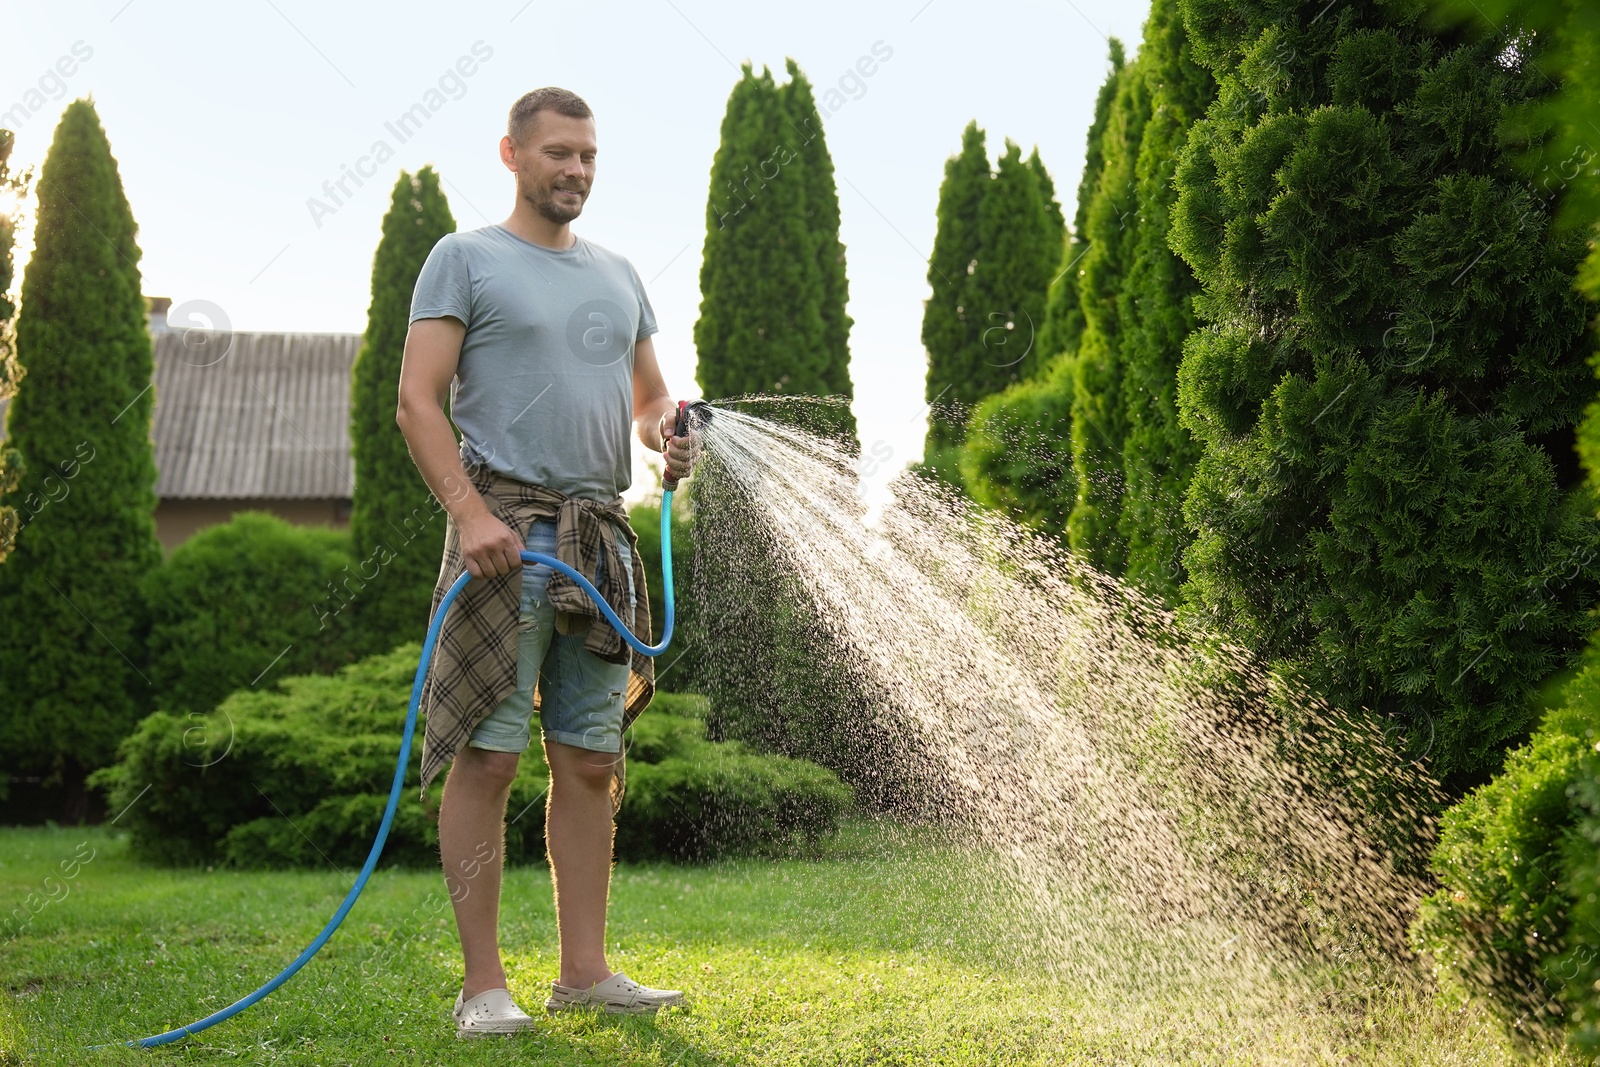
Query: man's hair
[[525, 112]]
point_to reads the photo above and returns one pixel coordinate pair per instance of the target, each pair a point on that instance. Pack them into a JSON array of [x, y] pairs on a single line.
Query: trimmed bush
[[252, 595], [1578, 966], [1018, 453], [288, 753], [1514, 923], [693, 799], [300, 775]]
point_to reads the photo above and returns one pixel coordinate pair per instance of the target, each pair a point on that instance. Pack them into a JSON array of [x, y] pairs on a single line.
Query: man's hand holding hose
[[491, 548], [681, 452]]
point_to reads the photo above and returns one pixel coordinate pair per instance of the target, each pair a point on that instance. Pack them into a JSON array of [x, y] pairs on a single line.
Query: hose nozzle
[[691, 414]]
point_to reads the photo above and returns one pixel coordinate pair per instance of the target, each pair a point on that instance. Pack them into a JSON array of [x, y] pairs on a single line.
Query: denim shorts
[[580, 695]]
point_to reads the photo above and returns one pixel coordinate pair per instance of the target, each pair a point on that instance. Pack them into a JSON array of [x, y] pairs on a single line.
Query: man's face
[[555, 169]]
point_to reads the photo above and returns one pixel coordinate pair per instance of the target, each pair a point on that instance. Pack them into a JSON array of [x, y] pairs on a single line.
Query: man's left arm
[[654, 411]]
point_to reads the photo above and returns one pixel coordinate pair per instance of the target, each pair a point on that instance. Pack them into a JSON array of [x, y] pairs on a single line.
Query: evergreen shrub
[[1515, 923], [299, 775], [250, 596]]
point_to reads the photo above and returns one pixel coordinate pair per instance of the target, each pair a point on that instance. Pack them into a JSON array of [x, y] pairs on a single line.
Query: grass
[[876, 953]]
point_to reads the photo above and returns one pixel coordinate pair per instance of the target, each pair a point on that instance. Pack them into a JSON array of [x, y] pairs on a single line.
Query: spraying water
[[1161, 820]]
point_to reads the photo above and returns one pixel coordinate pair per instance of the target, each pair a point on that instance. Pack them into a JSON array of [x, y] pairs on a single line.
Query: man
[[547, 338]]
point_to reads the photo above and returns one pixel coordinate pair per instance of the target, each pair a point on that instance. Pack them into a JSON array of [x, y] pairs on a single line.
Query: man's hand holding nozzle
[[681, 452]]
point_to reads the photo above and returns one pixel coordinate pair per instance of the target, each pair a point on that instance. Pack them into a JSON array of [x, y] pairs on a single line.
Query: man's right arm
[[433, 349]]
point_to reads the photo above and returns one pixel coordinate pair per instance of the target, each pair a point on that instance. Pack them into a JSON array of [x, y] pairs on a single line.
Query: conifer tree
[[1018, 451], [1391, 366], [73, 630], [1063, 320], [1562, 162], [1099, 419], [771, 321], [1047, 193], [1018, 242], [993, 253], [767, 322], [13, 190], [822, 216], [950, 332], [1155, 307], [396, 525]]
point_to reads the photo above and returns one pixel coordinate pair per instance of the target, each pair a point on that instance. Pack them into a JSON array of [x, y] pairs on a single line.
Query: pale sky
[[225, 119]]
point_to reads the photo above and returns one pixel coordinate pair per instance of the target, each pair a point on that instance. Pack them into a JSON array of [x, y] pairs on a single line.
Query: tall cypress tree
[[771, 320], [1018, 451], [1063, 321], [1099, 419], [395, 523], [763, 327], [1387, 382], [1047, 193], [994, 250], [821, 212], [1018, 242], [1037, 357], [1155, 308], [950, 331], [728, 326], [13, 188], [730, 332], [73, 629]]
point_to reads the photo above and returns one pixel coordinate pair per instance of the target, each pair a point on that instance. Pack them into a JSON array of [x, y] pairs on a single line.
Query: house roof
[[252, 415]]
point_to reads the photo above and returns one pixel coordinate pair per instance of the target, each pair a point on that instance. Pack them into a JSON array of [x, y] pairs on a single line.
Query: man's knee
[[572, 766], [488, 767]]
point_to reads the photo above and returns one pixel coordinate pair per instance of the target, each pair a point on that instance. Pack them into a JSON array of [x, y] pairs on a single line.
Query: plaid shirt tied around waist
[[474, 664]]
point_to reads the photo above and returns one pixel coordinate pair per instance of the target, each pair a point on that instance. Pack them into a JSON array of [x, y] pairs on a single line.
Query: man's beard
[[545, 203]]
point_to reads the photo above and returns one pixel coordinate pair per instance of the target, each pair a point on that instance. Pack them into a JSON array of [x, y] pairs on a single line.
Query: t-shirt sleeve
[[647, 315], [444, 287]]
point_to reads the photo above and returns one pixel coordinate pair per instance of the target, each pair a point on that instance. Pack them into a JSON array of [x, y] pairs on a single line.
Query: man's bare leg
[[578, 828], [472, 829]]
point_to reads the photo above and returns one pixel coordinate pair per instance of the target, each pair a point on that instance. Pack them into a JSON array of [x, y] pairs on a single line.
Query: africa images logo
[[598, 333], [450, 85]]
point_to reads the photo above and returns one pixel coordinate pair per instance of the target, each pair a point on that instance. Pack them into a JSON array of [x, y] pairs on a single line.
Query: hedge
[[299, 774], [1516, 921], [252, 596], [1387, 376]]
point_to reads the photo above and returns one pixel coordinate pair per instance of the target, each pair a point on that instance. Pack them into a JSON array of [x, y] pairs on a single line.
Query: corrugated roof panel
[[268, 417]]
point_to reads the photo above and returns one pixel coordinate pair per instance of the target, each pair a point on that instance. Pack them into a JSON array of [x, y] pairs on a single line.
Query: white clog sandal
[[619, 995], [490, 1012]]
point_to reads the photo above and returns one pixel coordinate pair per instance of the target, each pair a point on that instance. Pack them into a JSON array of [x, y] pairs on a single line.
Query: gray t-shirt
[[544, 388]]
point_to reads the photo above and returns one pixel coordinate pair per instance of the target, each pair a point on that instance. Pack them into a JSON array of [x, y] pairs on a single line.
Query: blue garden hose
[[405, 754]]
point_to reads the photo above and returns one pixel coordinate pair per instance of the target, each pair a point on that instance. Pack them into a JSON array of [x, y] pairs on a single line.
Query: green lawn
[[876, 953]]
